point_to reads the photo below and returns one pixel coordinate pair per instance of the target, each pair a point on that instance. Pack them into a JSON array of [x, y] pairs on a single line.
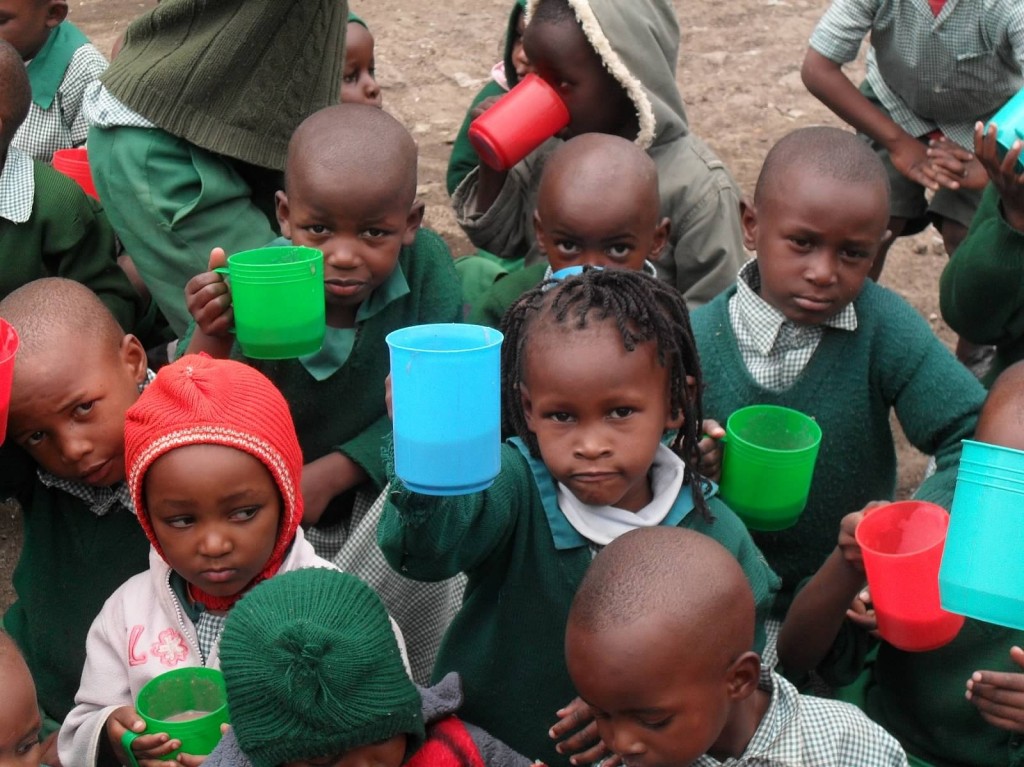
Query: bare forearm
[[488, 186]]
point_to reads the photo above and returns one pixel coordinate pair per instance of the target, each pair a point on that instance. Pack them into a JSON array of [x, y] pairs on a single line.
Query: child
[[64, 462], [614, 65], [695, 694], [61, 64], [803, 329], [350, 190], [48, 227], [197, 109], [919, 696], [359, 77], [619, 228], [594, 374], [214, 468], [354, 705], [933, 69], [20, 723], [979, 292], [513, 67]]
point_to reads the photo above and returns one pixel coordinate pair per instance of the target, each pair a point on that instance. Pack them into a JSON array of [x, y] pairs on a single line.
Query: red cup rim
[[931, 507]]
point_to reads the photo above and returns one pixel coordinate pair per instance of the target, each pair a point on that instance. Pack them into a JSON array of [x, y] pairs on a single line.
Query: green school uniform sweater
[[524, 562], [850, 386], [71, 561]]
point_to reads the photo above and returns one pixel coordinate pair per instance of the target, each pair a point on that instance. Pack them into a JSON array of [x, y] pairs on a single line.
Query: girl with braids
[[597, 369]]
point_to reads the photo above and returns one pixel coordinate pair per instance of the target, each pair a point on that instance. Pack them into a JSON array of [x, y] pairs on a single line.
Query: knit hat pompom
[[313, 669], [202, 401]]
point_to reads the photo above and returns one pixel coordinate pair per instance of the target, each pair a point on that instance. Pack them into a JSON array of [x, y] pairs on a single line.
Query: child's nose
[[591, 445], [341, 255], [213, 543], [821, 269], [623, 741], [74, 446]]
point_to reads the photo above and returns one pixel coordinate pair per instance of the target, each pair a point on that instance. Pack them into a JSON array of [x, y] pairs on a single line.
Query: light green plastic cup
[[768, 464], [278, 298], [189, 704]]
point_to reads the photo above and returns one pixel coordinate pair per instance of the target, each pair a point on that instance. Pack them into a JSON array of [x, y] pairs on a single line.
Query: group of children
[[599, 601]]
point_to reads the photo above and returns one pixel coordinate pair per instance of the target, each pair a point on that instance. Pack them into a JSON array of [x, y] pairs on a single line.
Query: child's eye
[[27, 746], [350, 78], [374, 233], [560, 417], [622, 412], [659, 724], [568, 248], [179, 523], [801, 243], [84, 408], [316, 229], [854, 255], [619, 251], [245, 514], [33, 439]]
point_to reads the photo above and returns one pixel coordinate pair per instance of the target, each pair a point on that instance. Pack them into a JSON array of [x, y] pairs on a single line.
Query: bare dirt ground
[[738, 72]]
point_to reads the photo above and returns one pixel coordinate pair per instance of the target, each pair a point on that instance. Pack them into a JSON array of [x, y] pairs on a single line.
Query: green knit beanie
[[313, 668]]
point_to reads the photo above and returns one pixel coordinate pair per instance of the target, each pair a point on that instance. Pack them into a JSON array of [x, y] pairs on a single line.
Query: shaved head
[[687, 581], [354, 141], [55, 315], [15, 93], [1001, 421], [830, 152]]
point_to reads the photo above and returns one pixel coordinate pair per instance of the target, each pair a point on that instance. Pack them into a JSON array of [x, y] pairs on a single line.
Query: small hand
[[208, 299], [999, 696], [848, 535], [146, 748], [483, 106], [387, 397], [910, 157], [862, 613], [956, 167], [576, 733], [711, 449], [1002, 172]]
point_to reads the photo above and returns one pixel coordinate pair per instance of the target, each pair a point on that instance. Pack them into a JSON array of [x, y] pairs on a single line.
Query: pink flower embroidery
[[171, 648]]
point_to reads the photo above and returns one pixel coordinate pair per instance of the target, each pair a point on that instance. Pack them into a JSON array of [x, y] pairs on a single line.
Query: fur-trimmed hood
[[638, 40]]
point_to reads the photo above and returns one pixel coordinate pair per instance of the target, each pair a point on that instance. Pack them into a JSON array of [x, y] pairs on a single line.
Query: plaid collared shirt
[[63, 125], [209, 627], [798, 730], [931, 72], [775, 349], [103, 110], [17, 187]]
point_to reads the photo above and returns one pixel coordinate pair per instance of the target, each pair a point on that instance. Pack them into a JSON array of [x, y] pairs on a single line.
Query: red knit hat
[[202, 401]]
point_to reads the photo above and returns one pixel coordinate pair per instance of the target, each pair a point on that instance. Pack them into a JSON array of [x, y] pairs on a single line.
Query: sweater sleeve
[[430, 538], [981, 291], [228, 753], [105, 687]]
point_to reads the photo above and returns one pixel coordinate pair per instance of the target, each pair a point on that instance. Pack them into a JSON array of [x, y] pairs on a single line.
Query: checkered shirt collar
[[100, 500], [762, 322], [17, 187]]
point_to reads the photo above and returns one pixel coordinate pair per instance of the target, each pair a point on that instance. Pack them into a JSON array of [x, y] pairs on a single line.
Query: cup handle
[[221, 270], [126, 743]]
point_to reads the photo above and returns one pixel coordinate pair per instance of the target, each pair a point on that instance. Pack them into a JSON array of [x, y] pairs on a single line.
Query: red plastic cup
[[522, 120], [74, 163], [902, 547], [8, 348]]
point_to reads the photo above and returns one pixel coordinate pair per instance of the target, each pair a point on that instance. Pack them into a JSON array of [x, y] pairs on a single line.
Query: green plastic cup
[[768, 464], [189, 704], [278, 298]]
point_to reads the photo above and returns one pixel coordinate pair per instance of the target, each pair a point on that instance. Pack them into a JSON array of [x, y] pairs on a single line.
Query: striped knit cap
[[313, 669], [202, 401]]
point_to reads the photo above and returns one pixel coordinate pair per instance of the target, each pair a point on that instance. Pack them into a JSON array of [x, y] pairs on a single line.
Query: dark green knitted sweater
[[235, 77], [850, 386]]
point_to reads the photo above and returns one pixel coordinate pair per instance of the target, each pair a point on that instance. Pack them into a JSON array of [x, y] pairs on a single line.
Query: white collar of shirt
[[603, 524], [17, 187]]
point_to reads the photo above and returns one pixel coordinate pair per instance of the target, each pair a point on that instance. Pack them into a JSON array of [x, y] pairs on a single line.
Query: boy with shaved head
[[658, 645], [350, 191], [75, 375], [619, 228]]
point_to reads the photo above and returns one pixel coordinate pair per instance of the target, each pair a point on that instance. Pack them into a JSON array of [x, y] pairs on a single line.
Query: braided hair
[[644, 309]]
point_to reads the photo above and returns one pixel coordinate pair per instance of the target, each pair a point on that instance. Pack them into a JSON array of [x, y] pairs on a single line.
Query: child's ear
[[133, 356], [748, 219], [527, 404], [743, 676], [281, 209], [413, 222], [661, 233], [56, 13], [538, 231]]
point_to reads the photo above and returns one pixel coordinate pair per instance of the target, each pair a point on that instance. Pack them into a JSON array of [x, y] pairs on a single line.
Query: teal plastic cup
[[189, 704], [278, 298], [1009, 122], [768, 464], [982, 572], [446, 403]]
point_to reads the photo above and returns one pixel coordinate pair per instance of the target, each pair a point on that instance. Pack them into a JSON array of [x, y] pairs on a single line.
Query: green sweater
[[491, 308], [69, 236], [71, 561], [981, 291], [346, 412], [850, 386], [524, 562], [234, 77]]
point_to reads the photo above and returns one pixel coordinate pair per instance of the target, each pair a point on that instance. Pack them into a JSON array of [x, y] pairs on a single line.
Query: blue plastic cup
[[982, 571], [446, 402], [1009, 122]]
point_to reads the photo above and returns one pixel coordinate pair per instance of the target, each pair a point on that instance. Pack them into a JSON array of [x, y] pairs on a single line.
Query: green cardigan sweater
[[981, 291], [852, 383], [69, 236], [71, 561], [346, 412], [234, 77], [524, 562]]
